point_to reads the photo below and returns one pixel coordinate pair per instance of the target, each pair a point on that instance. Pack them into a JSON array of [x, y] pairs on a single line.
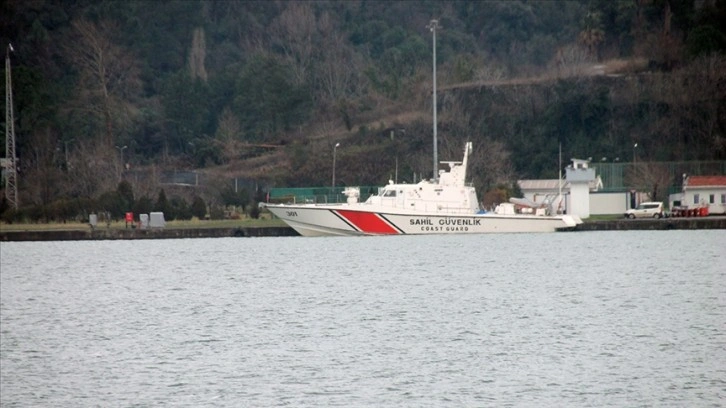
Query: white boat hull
[[342, 219]]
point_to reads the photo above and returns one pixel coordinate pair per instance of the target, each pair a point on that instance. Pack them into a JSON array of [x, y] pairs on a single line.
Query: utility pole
[[635, 164], [11, 160]]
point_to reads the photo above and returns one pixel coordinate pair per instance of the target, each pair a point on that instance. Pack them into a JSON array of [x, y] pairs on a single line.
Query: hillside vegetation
[[108, 95]]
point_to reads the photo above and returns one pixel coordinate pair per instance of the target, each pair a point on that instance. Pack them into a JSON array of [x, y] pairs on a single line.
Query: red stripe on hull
[[367, 222]]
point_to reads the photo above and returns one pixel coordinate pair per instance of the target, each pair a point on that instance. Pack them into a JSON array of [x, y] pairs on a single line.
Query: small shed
[[144, 221], [156, 220]]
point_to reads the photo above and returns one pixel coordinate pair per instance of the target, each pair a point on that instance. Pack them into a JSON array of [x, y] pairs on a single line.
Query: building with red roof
[[704, 191]]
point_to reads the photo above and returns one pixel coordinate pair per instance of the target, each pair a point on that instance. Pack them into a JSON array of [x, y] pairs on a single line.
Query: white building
[[700, 191], [579, 176]]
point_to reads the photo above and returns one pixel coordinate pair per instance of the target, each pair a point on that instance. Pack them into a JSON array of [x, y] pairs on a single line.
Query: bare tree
[[652, 177], [690, 127], [592, 34], [638, 28], [197, 55], [109, 77], [92, 169], [229, 134], [571, 60], [340, 66], [489, 74], [40, 167], [51, 172], [489, 163], [704, 101], [293, 33]]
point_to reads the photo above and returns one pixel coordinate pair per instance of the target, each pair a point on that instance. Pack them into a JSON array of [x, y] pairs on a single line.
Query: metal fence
[[616, 177], [628, 175], [192, 179]]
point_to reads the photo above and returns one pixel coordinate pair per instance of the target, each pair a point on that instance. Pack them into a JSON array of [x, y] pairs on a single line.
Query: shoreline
[[663, 224]]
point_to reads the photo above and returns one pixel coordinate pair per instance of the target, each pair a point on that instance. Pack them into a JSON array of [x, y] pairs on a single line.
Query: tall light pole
[[335, 149], [121, 154], [634, 190], [11, 160], [433, 26], [635, 166]]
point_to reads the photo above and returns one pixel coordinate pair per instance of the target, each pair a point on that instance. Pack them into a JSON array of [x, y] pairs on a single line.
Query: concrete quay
[[163, 233], [691, 223]]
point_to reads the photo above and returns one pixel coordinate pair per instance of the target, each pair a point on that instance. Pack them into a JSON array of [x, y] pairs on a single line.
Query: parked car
[[646, 210]]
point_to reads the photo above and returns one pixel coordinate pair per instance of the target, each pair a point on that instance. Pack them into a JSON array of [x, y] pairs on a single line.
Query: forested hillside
[[110, 94]]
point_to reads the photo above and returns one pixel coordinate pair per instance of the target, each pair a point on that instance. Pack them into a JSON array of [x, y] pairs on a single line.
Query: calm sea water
[[607, 319]]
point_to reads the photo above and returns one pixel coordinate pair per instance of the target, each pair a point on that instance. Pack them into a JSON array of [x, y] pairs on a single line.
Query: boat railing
[[316, 195], [453, 208], [440, 208], [444, 209], [321, 199]]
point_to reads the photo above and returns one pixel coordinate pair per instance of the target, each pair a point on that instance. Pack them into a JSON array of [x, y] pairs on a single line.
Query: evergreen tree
[[162, 204], [126, 195], [199, 208], [185, 101], [267, 100], [143, 205], [179, 209]]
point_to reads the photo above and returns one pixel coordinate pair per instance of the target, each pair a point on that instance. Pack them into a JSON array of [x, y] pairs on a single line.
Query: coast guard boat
[[446, 205]]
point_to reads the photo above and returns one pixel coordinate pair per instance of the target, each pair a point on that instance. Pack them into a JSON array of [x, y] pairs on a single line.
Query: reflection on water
[[566, 319]]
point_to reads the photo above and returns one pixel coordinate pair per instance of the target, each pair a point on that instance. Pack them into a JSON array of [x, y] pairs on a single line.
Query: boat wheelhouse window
[[389, 193]]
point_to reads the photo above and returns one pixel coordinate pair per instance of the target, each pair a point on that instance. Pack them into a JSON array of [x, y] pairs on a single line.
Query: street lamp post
[[634, 191], [10, 163], [433, 26], [121, 154], [335, 149]]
